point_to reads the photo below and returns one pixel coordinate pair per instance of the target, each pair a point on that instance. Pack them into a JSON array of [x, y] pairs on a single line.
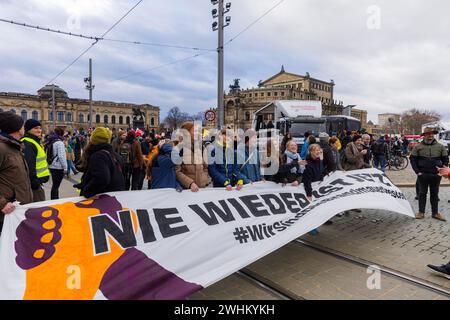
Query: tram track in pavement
[[421, 283], [281, 293], [268, 285]]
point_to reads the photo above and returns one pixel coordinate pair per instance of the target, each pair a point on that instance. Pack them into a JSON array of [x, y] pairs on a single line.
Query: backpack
[[49, 152], [378, 148], [114, 161], [125, 153]]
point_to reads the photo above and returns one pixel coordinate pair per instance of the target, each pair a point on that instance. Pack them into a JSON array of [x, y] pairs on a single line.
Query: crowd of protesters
[[123, 160]]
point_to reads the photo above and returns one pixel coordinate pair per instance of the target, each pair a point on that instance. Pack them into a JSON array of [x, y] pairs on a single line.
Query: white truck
[[291, 116]]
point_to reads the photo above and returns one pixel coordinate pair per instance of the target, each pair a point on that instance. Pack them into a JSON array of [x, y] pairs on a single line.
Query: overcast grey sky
[[384, 56]]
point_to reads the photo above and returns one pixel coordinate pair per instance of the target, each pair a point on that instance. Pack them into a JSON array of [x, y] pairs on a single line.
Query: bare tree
[[413, 119], [175, 118]]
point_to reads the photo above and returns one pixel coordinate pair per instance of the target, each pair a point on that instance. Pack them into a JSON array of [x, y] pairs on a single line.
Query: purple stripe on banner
[[135, 276]]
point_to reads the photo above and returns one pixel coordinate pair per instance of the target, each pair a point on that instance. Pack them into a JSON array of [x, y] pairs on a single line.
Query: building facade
[[240, 105], [73, 113]]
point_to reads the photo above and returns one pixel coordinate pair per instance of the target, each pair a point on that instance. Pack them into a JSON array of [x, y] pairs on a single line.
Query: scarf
[[290, 157]]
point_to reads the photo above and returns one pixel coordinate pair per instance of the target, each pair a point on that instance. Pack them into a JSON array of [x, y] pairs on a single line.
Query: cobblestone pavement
[[314, 275], [407, 177], [392, 240]]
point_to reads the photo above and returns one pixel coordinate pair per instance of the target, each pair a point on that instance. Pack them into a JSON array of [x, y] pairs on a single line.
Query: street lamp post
[[219, 26], [90, 87]]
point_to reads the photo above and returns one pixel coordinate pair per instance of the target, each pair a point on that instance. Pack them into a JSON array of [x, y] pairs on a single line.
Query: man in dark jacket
[[14, 180], [379, 150], [328, 159], [36, 158], [426, 158], [103, 167]]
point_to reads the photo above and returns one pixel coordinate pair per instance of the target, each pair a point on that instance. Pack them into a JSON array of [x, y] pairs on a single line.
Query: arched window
[[50, 116], [89, 117], [35, 115], [24, 115], [128, 119], [105, 119], [120, 120], [13, 110], [60, 116], [152, 121], [69, 117], [97, 118], [80, 118], [113, 119], [247, 116]]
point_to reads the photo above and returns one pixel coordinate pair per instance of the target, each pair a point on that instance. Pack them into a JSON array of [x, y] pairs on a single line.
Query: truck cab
[[291, 116]]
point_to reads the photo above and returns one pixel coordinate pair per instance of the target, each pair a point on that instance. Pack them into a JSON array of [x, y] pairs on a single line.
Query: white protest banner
[[161, 244]]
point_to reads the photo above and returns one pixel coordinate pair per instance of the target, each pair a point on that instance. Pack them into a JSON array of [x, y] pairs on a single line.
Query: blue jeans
[[71, 166], [379, 160]]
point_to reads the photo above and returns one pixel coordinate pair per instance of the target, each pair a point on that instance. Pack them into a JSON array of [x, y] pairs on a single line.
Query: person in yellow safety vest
[[36, 158]]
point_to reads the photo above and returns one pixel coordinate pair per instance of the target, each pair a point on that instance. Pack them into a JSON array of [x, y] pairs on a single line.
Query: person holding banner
[[314, 169], [101, 166], [291, 166], [445, 269], [163, 168], [251, 166], [15, 183], [223, 167], [194, 174]]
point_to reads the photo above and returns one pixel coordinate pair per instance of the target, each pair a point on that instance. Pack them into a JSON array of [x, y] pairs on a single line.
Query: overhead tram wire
[[94, 43], [158, 45], [21, 24], [254, 22], [49, 30]]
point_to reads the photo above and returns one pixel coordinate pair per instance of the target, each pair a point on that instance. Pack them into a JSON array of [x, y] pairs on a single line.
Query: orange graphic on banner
[[51, 279]]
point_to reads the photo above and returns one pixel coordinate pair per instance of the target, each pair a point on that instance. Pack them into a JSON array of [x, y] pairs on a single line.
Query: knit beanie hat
[[10, 122], [31, 123], [101, 135]]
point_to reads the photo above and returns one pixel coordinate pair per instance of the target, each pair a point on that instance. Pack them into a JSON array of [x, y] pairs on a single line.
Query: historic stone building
[[240, 105], [73, 113]]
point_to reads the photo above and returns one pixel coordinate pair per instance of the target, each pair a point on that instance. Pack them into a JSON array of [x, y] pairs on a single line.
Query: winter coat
[[59, 153], [195, 171], [30, 153], [103, 173], [251, 170], [304, 152], [136, 159], [146, 147], [163, 170], [313, 173], [14, 177], [228, 172], [368, 156], [285, 173], [426, 157], [337, 159], [328, 158], [354, 159]]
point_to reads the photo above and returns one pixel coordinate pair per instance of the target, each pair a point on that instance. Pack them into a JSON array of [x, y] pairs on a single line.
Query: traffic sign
[[210, 115]]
